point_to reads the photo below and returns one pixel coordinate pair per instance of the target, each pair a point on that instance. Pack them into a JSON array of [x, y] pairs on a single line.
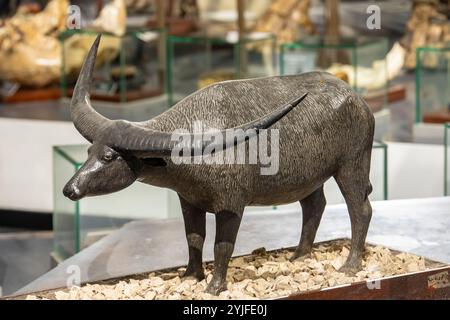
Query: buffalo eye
[[108, 156]]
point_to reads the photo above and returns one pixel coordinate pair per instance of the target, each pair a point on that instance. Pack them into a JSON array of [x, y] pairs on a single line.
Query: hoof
[[350, 269], [215, 288], [194, 274], [299, 256]]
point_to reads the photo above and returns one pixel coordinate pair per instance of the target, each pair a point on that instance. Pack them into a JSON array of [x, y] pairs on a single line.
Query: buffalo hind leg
[[353, 181], [227, 226], [312, 210], [194, 224]]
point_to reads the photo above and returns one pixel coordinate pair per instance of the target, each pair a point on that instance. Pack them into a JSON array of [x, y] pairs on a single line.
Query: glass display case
[[379, 171], [196, 61], [446, 159], [128, 68], [433, 84], [78, 224], [358, 61]]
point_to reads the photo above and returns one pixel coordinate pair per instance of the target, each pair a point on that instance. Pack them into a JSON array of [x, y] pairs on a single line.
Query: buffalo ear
[[154, 162]]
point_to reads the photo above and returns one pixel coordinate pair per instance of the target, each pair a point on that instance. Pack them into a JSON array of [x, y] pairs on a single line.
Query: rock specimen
[[30, 51], [426, 27], [287, 19]]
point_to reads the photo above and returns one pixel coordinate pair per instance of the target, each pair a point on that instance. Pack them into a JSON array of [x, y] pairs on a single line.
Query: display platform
[[386, 274], [440, 116], [416, 226], [32, 95]]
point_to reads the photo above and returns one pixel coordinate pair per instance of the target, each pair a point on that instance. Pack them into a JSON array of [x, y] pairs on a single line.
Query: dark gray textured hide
[[331, 127], [329, 134]]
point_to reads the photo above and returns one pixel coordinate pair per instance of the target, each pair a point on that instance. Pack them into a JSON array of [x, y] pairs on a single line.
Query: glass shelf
[[198, 60], [446, 159], [433, 84], [379, 171]]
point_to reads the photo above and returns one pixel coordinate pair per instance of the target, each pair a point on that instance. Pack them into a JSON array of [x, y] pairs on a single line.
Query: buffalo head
[[121, 148]]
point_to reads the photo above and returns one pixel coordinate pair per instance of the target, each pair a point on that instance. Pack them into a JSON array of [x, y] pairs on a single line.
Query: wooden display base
[[441, 116], [432, 283], [29, 95]]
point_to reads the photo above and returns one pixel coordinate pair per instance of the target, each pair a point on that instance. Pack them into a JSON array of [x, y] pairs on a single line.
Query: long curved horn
[[86, 120], [129, 136], [152, 143]]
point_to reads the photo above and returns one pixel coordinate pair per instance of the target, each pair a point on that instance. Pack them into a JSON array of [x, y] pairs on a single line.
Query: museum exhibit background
[[245, 149]]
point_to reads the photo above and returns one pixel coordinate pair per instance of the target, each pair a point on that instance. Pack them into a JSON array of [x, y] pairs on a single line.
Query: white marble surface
[[419, 226]]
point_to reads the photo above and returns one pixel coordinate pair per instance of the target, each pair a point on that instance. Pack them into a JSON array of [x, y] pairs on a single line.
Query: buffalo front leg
[[312, 210], [227, 226], [353, 181], [194, 224]]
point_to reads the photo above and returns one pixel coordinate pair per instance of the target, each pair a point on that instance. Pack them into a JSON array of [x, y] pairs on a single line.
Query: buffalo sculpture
[[324, 130]]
